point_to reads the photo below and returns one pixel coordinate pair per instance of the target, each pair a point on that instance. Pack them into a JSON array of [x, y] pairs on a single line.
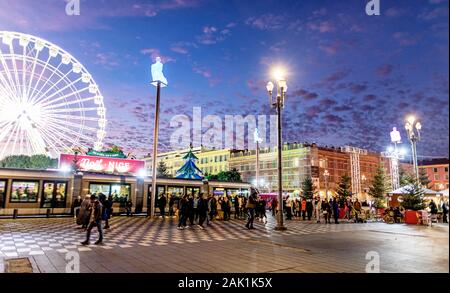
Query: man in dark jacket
[[202, 209], [251, 205], [309, 209], [95, 220], [108, 207], [171, 204], [183, 212], [444, 212], [335, 208], [162, 205]]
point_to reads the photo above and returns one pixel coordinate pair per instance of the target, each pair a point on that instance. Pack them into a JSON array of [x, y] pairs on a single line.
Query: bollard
[[15, 213], [48, 213]]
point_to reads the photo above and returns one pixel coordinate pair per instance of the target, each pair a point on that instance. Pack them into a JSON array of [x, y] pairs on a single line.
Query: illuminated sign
[[101, 164]]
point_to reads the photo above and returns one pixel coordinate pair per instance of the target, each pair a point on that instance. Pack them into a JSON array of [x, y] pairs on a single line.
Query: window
[[437, 186], [24, 191], [54, 194], [435, 170], [2, 193], [175, 191], [446, 169], [436, 177], [119, 192], [446, 176]]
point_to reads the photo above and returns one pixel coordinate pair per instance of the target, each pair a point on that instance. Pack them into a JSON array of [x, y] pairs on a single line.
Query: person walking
[[262, 210], [212, 207], [288, 208], [83, 215], [190, 210], [162, 202], [224, 207], [108, 209], [335, 208], [128, 207], [309, 209], [171, 204], [76, 206], [274, 206], [202, 209], [251, 205], [183, 212], [357, 208], [303, 209], [445, 212], [326, 211], [236, 207], [95, 220], [317, 209], [195, 209]]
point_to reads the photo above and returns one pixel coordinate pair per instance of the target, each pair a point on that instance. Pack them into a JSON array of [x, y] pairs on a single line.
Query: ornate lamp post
[[326, 176], [413, 128], [278, 103], [159, 81]]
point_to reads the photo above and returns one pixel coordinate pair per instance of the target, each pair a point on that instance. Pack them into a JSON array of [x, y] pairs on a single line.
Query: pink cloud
[[406, 39], [269, 22], [322, 27]]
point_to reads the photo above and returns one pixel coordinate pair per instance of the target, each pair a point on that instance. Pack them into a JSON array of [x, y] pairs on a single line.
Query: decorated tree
[[413, 199], [162, 170], [308, 188], [423, 178], [377, 190], [405, 178], [343, 189], [189, 170]]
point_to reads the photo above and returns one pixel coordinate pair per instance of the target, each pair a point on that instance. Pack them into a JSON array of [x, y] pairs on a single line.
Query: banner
[[101, 164]]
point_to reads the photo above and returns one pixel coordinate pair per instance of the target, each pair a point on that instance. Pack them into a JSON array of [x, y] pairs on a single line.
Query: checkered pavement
[[26, 237]]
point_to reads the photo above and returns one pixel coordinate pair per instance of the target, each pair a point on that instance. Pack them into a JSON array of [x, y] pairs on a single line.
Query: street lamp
[[159, 81], [326, 176], [278, 103], [413, 128]]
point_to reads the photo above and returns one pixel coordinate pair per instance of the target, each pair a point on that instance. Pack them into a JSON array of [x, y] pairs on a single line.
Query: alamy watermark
[[232, 132], [373, 266], [73, 262], [373, 7], [73, 7]]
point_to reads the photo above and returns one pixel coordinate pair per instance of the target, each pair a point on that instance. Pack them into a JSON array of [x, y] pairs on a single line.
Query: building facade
[[300, 160], [209, 161], [437, 171]]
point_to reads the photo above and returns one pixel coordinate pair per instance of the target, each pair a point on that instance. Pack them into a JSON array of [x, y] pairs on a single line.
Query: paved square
[[137, 244]]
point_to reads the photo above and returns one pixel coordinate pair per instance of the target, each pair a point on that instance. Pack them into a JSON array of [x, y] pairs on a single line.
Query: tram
[[46, 192]]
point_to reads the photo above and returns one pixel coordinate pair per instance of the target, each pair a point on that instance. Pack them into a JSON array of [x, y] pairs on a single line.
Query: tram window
[[120, 192], [24, 191], [96, 189], [175, 191]]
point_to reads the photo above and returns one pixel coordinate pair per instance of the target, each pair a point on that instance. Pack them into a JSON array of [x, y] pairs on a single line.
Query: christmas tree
[[378, 189], [343, 189], [413, 198], [189, 170], [423, 178], [308, 188]]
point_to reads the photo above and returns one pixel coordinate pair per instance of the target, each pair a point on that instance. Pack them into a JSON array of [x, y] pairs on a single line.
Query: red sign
[[100, 164]]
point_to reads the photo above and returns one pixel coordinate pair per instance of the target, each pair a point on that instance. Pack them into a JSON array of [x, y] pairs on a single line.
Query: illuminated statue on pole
[[157, 73]]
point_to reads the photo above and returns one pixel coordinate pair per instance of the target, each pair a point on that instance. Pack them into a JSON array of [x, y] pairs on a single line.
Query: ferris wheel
[[49, 103]]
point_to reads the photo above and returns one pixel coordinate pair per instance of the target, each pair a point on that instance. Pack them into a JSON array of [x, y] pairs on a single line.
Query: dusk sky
[[351, 77]]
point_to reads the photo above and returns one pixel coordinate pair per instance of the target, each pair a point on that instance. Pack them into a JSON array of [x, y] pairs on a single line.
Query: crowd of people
[[203, 209]]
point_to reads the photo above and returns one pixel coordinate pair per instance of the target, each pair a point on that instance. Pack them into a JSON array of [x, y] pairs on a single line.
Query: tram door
[[2, 193], [54, 194]]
